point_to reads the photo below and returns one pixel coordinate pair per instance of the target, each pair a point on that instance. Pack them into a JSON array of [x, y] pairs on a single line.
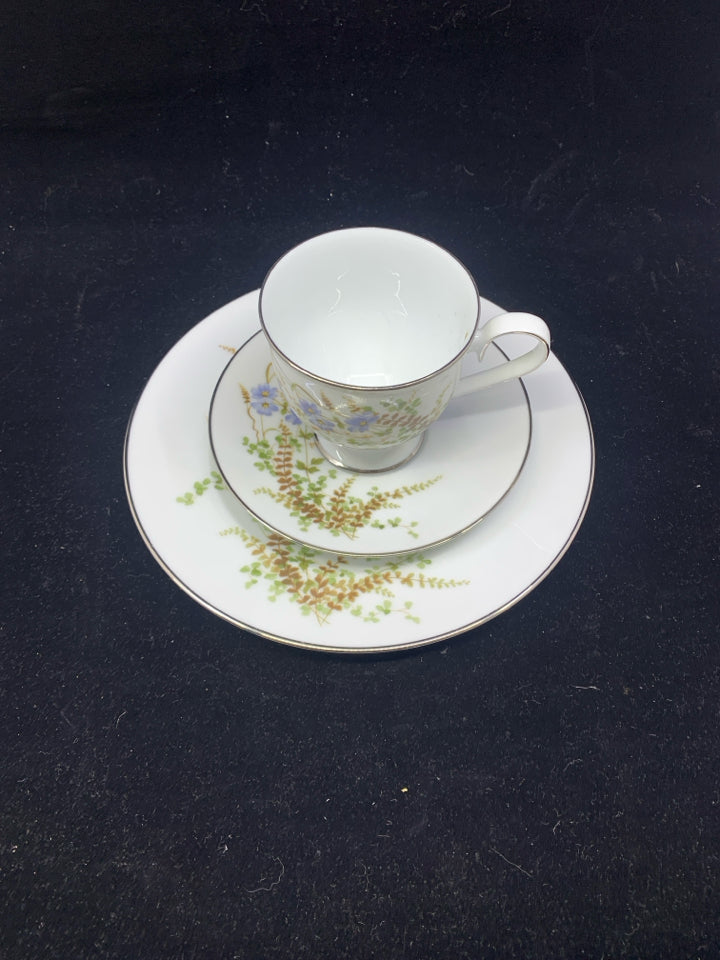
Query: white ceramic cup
[[367, 330]]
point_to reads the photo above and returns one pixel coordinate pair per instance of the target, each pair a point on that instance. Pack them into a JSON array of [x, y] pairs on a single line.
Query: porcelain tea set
[[313, 487]]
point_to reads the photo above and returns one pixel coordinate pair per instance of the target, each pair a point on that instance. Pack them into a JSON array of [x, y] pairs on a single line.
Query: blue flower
[[322, 423], [315, 417], [264, 391], [293, 419], [264, 407], [361, 422], [263, 401]]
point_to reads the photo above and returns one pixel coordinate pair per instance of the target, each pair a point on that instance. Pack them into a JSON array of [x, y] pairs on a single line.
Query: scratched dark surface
[[545, 786]]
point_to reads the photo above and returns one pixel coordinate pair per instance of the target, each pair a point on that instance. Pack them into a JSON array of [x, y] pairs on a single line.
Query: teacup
[[367, 330]]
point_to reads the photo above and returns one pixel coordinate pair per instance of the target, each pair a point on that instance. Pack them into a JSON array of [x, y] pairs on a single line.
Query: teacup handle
[[526, 363]]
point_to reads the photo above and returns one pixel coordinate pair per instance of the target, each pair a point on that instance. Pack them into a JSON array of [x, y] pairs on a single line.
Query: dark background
[[544, 786]]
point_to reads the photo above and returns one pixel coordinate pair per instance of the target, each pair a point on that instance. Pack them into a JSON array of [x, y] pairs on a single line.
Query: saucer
[[469, 460], [209, 544]]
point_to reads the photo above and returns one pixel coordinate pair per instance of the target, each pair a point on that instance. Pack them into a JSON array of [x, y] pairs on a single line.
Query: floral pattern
[[394, 416], [361, 422], [263, 399], [302, 481], [324, 585]]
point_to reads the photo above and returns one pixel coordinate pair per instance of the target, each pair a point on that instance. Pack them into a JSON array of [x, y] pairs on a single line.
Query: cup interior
[[369, 307]]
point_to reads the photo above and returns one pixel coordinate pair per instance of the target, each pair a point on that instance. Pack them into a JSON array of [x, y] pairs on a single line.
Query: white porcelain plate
[[218, 553], [469, 460]]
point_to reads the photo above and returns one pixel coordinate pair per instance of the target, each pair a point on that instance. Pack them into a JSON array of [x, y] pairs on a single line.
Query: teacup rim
[[370, 388]]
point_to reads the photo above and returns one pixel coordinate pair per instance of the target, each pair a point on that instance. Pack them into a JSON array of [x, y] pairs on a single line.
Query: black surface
[[545, 786]]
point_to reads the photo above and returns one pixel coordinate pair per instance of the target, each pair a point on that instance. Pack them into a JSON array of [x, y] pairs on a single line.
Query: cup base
[[369, 459]]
